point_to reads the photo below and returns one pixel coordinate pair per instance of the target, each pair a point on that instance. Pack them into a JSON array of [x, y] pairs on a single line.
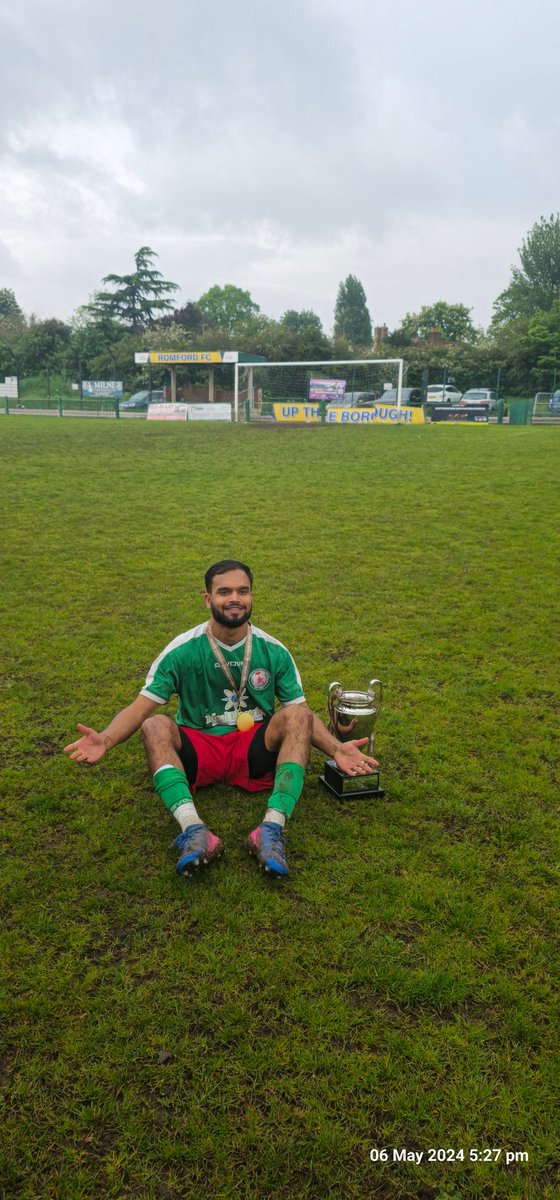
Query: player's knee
[[299, 716], [154, 729]]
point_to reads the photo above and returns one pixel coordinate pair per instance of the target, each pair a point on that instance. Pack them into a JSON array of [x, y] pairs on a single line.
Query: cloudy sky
[[277, 146]]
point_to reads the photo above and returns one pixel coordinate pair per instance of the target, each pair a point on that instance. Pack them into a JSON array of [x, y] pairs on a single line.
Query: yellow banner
[[187, 356], [296, 412], [386, 414]]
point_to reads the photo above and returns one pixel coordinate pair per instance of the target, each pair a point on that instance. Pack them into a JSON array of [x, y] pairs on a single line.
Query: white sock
[[186, 815], [274, 815]]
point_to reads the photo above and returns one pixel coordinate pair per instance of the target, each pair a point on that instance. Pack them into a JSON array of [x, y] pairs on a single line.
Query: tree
[[139, 298], [92, 341], [44, 343], [224, 307], [190, 317], [301, 336], [543, 336], [351, 316], [453, 322], [10, 310], [535, 284], [543, 342], [12, 326], [302, 322]]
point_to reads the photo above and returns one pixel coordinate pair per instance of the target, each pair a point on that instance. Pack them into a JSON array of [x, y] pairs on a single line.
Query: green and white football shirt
[[188, 668]]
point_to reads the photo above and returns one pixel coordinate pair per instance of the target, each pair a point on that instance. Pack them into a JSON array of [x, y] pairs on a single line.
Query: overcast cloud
[[277, 146]]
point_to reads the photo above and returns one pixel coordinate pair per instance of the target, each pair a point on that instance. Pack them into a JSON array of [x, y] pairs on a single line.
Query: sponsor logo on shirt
[[230, 718]]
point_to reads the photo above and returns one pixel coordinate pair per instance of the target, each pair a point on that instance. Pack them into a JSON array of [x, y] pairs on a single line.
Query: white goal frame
[[326, 364]]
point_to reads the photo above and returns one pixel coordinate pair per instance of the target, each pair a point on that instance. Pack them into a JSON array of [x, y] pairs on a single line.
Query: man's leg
[[289, 733], [163, 746]]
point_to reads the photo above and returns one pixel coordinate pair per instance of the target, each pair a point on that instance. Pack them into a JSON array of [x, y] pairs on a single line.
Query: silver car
[[354, 400], [443, 393], [481, 396]]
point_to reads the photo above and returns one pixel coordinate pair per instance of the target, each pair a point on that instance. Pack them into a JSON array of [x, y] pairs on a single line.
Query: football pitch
[[380, 1024]]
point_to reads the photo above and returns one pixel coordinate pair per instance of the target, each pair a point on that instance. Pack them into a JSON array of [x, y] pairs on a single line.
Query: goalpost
[[345, 381]]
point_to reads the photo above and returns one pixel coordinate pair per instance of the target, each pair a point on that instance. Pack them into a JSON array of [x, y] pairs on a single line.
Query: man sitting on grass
[[226, 674]]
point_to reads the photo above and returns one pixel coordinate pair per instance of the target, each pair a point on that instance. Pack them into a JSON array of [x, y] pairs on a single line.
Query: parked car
[[443, 393], [410, 397], [140, 400], [354, 400], [554, 403], [481, 396]]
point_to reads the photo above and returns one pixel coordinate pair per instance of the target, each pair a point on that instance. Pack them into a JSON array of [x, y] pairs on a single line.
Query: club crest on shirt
[[259, 679]]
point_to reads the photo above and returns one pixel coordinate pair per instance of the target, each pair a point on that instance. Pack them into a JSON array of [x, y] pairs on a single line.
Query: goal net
[[273, 389]]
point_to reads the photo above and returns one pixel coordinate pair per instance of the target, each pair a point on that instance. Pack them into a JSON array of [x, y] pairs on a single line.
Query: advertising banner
[[167, 412], [103, 389], [462, 413], [326, 389], [296, 412], [209, 412], [385, 414]]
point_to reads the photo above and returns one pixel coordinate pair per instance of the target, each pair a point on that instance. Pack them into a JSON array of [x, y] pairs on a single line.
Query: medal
[[244, 719], [244, 722]]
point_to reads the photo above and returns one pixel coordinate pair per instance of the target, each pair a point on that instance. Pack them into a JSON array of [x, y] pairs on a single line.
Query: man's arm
[[347, 755], [91, 747]]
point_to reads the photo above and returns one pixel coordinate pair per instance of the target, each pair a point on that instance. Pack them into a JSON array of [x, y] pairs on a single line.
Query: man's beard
[[230, 620]]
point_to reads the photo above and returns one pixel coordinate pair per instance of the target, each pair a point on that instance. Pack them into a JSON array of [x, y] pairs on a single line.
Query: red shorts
[[237, 758]]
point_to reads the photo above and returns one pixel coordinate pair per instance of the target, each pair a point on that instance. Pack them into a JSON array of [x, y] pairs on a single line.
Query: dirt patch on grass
[[46, 747], [344, 652]]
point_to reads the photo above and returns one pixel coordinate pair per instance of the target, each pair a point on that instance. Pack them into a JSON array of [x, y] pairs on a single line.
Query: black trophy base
[[350, 787]]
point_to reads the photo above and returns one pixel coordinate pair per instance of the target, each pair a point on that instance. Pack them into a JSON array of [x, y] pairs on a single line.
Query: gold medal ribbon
[[239, 692]]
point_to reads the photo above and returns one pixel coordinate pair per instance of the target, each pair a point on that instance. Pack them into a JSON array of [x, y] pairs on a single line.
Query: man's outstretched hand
[[89, 748], [354, 761]]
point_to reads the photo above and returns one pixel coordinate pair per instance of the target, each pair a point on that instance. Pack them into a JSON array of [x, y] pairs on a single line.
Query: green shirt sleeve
[[161, 680], [288, 680]]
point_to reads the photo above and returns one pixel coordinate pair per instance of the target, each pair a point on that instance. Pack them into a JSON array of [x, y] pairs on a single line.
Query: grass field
[[231, 1036]]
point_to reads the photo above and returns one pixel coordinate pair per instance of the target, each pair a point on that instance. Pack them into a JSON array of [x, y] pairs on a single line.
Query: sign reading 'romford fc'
[[173, 358]]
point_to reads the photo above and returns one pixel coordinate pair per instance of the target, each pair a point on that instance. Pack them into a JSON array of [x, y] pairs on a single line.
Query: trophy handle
[[375, 690], [376, 686], [333, 690]]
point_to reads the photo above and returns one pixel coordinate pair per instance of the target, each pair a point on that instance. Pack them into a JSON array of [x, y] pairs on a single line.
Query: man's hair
[[220, 568]]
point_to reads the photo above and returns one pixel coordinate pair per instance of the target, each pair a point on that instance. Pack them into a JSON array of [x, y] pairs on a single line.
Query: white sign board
[[105, 389], [9, 387], [209, 412], [167, 412]]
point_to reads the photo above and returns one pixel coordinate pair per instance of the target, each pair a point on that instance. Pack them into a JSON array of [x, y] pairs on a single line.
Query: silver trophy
[[353, 715]]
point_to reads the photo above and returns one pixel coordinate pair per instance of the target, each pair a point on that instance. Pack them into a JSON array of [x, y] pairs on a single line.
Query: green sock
[[172, 787], [288, 783]]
